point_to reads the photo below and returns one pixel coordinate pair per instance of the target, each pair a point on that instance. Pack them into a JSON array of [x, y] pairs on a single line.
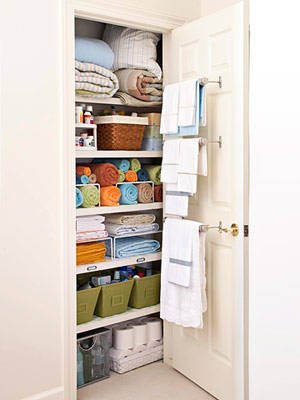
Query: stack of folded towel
[[90, 228], [122, 224], [87, 253]]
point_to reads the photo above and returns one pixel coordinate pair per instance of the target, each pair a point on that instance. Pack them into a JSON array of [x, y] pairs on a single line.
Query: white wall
[[211, 6], [274, 201], [31, 337]]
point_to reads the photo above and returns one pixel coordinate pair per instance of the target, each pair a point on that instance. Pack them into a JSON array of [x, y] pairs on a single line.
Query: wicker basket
[[117, 132]]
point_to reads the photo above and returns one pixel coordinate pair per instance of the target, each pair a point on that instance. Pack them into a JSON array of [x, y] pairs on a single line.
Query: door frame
[[139, 18]]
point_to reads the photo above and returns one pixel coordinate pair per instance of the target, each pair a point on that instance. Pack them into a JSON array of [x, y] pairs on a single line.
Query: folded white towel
[[176, 202], [183, 304], [169, 116], [171, 151], [187, 102], [188, 156], [169, 173], [83, 237], [187, 183], [202, 166], [90, 223]]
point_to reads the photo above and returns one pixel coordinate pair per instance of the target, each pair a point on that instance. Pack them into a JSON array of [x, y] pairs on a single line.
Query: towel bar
[[203, 141], [233, 229], [205, 81]]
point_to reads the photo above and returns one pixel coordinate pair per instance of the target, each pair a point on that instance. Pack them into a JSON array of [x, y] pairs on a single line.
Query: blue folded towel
[[134, 246], [94, 51], [143, 175], [79, 198], [82, 179], [129, 194], [193, 130], [123, 165]]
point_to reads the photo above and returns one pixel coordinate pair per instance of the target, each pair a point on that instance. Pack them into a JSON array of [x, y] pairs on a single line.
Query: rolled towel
[[107, 174], [143, 175], [145, 193], [83, 170], [79, 198], [154, 173], [91, 196], [82, 179], [92, 178], [121, 175], [158, 193], [131, 176], [123, 165], [110, 196], [135, 164], [129, 194]]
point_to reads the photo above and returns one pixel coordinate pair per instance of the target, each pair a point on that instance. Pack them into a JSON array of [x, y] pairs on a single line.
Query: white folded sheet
[[90, 223], [120, 229]]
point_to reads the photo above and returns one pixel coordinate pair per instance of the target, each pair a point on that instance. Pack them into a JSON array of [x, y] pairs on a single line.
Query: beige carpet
[[155, 381]]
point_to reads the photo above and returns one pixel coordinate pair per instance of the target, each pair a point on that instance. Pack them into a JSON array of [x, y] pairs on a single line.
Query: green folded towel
[[154, 173], [135, 164], [121, 175], [91, 196]]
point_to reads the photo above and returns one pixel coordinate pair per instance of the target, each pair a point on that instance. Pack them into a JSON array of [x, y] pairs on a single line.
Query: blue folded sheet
[[134, 246], [94, 51], [79, 198], [123, 165], [129, 194]]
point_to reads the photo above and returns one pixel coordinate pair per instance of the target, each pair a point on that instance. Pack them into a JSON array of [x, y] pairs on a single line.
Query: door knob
[[234, 230]]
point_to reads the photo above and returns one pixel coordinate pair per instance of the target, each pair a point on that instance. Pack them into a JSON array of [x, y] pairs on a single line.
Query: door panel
[[209, 47]]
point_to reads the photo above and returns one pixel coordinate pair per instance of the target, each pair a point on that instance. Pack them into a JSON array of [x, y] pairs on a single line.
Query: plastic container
[[152, 144], [113, 298], [152, 131], [145, 292], [153, 118], [86, 303], [93, 362]]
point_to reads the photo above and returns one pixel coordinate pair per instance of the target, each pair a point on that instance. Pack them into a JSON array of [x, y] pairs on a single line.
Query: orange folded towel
[[107, 174], [131, 176], [110, 196], [87, 253], [83, 170]]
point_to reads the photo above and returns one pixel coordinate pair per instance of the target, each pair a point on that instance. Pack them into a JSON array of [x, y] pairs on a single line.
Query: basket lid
[[121, 119]]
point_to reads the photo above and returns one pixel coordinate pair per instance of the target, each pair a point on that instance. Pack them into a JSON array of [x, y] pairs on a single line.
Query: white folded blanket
[[90, 224], [120, 229], [92, 236]]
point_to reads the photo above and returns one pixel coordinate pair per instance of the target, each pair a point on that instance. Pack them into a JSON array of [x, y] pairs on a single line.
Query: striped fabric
[[133, 48]]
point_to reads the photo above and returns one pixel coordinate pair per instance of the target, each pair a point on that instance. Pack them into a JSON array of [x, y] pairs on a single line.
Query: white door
[[209, 47]]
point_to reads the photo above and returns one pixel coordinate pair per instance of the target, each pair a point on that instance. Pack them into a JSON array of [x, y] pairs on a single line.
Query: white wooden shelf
[[118, 209], [131, 313], [118, 154], [107, 100], [117, 263], [85, 126]]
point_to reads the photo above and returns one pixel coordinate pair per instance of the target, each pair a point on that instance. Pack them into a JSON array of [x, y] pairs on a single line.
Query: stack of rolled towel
[[87, 194], [90, 228]]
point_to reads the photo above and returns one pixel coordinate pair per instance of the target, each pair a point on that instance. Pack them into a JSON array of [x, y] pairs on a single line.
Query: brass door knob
[[234, 230]]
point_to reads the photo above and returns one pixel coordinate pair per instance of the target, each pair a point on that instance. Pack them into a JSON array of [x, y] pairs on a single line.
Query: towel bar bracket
[[205, 81], [219, 142]]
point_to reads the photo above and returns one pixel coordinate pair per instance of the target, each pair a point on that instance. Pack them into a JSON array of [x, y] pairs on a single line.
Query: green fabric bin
[[114, 298], [145, 292], [86, 302]]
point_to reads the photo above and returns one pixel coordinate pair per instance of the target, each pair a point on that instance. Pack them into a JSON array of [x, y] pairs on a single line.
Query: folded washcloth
[[123, 165], [143, 175], [87, 253], [129, 194], [154, 173], [158, 193], [145, 193], [131, 219], [91, 196], [79, 198], [131, 176], [133, 246], [82, 179], [107, 174], [121, 229], [110, 196], [92, 178], [121, 176], [83, 170], [135, 164]]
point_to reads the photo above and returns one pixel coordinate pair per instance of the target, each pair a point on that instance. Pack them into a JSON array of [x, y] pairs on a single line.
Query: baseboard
[[53, 394]]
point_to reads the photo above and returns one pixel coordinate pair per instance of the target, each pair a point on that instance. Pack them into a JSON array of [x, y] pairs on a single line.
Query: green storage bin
[[145, 292], [86, 303], [113, 298]]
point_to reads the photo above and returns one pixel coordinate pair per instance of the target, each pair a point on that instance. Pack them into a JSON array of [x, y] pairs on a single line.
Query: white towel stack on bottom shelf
[[136, 343]]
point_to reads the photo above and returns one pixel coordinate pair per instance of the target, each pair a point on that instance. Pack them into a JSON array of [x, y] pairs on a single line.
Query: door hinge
[[246, 230]]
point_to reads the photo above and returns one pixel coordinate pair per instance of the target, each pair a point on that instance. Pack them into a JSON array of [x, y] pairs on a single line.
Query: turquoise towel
[[135, 246], [129, 194], [123, 165], [143, 175], [79, 198], [82, 179]]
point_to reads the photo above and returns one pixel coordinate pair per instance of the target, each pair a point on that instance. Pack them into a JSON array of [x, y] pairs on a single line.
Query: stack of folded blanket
[[131, 219], [134, 246], [121, 229], [90, 228]]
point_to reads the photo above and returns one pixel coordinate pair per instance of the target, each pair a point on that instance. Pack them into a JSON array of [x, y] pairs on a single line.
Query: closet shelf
[[118, 154], [118, 209], [85, 126], [114, 101], [117, 263], [131, 313]]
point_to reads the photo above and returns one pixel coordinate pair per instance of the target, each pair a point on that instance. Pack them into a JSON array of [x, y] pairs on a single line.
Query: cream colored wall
[[211, 6]]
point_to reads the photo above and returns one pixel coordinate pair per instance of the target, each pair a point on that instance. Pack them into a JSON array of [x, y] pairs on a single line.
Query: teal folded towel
[[123, 165], [82, 179], [143, 175], [134, 246], [79, 198], [129, 194]]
